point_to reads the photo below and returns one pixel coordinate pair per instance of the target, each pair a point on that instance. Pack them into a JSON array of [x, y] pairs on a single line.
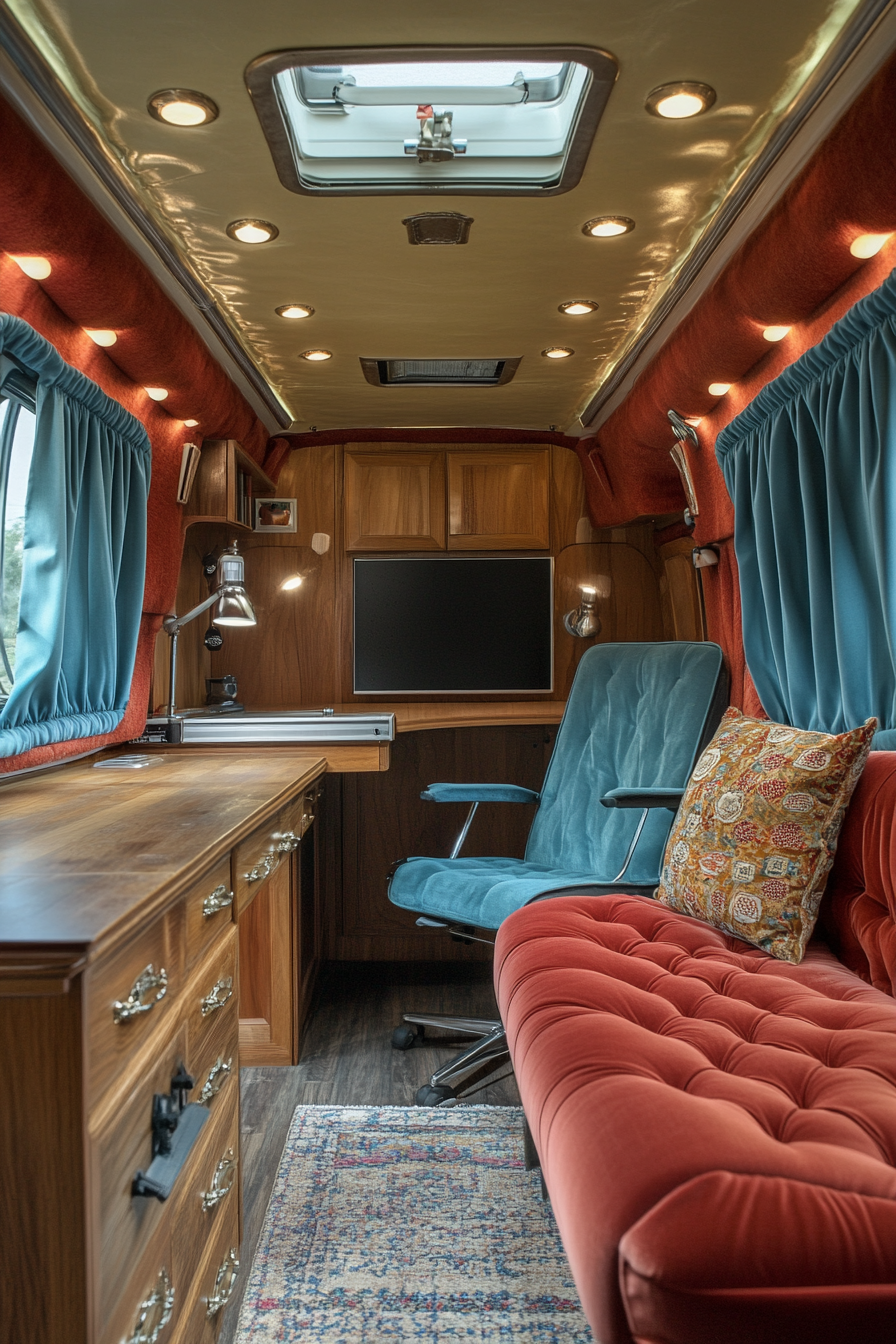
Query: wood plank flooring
[[347, 1059]]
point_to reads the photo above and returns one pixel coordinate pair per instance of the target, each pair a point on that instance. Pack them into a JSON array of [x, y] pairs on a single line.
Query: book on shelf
[[189, 465]]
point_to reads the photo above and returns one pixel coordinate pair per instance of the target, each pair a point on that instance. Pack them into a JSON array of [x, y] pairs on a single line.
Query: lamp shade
[[234, 607]]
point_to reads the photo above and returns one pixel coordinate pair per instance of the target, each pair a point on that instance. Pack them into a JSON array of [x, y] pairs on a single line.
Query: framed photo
[[275, 515]]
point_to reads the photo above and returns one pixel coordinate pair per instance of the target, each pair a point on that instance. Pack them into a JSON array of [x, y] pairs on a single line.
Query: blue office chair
[[637, 718]]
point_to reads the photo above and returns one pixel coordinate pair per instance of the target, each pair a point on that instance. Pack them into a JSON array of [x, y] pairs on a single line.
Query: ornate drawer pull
[[124, 1009], [263, 868], [224, 1283], [154, 1313], [217, 1077], [218, 995], [216, 900], [288, 842], [222, 1182]]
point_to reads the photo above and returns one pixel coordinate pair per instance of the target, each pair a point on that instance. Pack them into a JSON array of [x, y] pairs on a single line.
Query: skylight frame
[[262, 73], [377, 372]]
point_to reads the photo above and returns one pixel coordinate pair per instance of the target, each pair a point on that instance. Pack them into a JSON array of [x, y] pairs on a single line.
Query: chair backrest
[[638, 715]]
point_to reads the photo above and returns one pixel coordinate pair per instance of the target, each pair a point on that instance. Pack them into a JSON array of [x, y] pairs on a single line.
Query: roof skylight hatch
[[439, 372], [455, 120]]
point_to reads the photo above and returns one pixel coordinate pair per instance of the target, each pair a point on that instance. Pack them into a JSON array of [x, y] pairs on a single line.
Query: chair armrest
[[478, 793], [667, 798]]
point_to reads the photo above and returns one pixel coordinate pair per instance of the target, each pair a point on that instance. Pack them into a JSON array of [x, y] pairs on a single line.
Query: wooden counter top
[[81, 849]]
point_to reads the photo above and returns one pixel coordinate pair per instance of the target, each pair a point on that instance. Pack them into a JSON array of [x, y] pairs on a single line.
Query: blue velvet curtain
[[811, 469], [84, 552]]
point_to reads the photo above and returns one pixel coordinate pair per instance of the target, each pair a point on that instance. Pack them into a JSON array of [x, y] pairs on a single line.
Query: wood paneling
[[394, 501], [683, 588], [499, 499]]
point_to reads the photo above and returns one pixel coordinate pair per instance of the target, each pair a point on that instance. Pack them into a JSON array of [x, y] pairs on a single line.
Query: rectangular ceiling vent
[[439, 372]]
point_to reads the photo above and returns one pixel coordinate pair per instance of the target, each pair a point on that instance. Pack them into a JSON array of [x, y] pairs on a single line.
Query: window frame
[[19, 391]]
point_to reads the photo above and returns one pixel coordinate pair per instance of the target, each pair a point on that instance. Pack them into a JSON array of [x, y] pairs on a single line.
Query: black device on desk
[[222, 692]]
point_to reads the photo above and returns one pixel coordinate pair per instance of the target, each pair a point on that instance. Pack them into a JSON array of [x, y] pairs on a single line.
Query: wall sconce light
[[231, 602], [703, 557], [583, 621]]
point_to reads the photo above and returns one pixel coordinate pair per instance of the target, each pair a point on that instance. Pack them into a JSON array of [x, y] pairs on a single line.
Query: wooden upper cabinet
[[394, 501], [498, 499], [227, 482]]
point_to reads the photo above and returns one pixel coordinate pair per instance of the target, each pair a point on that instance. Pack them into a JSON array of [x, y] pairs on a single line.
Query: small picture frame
[[275, 514]]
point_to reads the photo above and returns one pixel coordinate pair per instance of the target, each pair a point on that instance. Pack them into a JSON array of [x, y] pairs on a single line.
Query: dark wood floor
[[347, 1059]]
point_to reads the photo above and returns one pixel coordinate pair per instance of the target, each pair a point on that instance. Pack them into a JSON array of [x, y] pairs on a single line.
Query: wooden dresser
[[121, 900]]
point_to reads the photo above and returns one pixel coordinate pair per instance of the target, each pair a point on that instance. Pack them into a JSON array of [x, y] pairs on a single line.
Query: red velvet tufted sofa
[[717, 1129]]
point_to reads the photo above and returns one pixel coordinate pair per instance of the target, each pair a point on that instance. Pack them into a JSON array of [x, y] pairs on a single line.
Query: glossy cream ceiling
[[373, 294]]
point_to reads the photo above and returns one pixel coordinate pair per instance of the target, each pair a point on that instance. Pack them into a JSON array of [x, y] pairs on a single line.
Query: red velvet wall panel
[[96, 281]]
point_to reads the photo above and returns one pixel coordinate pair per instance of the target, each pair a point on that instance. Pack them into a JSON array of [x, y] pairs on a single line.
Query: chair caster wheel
[[433, 1096], [403, 1038]]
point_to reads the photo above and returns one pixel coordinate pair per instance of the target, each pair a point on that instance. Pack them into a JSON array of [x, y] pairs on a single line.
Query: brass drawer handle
[[147, 981], [288, 841], [263, 868], [217, 1077], [216, 900], [222, 1182], [224, 1283], [154, 1313], [218, 995]]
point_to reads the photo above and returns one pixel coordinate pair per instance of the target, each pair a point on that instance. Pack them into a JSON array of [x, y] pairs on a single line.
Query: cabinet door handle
[[147, 981], [216, 900], [154, 1312], [217, 1077], [218, 995], [288, 841], [263, 868], [222, 1182], [224, 1283]]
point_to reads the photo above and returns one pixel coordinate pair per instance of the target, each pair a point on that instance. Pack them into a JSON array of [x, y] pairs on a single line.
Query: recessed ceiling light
[[776, 333], [317, 355], [718, 389], [579, 307], [608, 226], [295, 581], [558, 352], [101, 335], [687, 98], [157, 393], [182, 107], [191, 424], [38, 268], [868, 244], [252, 230], [294, 310]]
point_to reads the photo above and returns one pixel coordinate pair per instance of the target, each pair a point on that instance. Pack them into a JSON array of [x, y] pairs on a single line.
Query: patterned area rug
[[404, 1223]]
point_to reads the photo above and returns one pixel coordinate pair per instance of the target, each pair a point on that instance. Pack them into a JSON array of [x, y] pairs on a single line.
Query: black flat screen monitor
[[449, 625]]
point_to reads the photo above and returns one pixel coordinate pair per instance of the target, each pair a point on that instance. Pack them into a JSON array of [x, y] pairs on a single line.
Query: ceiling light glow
[[316, 356], [579, 307], [252, 231], [558, 352], [675, 102], [101, 335], [868, 244], [182, 107], [608, 226], [191, 424], [157, 393], [718, 389], [776, 333], [294, 311], [290, 584], [37, 268]]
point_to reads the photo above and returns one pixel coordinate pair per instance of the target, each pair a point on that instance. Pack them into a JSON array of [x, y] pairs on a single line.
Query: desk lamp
[[233, 607]]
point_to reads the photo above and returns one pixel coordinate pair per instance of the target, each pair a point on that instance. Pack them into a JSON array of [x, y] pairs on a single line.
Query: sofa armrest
[[667, 798], [478, 793]]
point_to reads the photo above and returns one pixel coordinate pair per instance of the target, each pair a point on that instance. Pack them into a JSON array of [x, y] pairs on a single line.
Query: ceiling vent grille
[[439, 372], [438, 228]]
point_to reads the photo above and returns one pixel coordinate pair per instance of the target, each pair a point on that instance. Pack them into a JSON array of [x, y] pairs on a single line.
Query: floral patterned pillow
[[755, 836]]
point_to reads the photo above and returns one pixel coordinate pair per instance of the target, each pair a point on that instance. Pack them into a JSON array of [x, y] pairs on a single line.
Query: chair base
[[490, 1047]]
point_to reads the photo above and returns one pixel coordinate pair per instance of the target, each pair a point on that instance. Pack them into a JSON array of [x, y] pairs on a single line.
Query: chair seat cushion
[[717, 1128], [477, 891]]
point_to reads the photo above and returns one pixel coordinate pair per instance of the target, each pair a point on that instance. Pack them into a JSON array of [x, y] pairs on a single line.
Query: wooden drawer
[[128, 1225], [121, 1018], [262, 853], [145, 1291], [215, 1275], [208, 910], [211, 1005], [212, 1185]]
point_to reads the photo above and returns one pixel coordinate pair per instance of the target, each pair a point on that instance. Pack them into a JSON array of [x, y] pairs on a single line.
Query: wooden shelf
[[216, 496]]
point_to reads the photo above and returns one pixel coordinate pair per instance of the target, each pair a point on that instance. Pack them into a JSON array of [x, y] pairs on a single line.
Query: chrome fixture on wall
[[231, 602], [584, 621]]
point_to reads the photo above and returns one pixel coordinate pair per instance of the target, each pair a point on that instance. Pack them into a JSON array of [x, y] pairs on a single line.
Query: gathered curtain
[[84, 555], [810, 466]]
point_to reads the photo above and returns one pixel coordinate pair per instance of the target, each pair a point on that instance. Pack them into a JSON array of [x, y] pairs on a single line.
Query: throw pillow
[[755, 836]]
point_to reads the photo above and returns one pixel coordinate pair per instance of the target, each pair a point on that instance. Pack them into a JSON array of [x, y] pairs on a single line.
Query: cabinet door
[[498, 499], [394, 501]]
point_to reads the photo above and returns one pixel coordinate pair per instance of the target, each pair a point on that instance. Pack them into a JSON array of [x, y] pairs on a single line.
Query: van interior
[[447, 672]]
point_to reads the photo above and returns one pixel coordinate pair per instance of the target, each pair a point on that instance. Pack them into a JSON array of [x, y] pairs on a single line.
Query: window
[[16, 446], [494, 121]]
